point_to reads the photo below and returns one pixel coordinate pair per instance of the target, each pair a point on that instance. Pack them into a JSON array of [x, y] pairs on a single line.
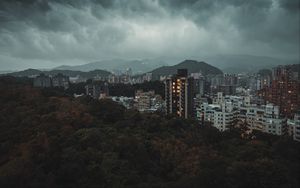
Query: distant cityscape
[[268, 101]]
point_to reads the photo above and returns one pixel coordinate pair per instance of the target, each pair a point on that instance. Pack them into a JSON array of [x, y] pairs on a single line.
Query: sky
[[49, 33]]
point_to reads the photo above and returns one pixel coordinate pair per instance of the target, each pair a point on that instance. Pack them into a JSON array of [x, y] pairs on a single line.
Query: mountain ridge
[[246, 63], [71, 73], [193, 66], [137, 66]]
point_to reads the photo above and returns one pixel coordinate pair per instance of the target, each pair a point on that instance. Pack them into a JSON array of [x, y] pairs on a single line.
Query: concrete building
[[42, 81], [294, 127], [284, 90], [147, 77], [264, 118], [97, 90], [60, 80], [225, 110], [179, 94], [143, 100], [221, 116], [148, 101]]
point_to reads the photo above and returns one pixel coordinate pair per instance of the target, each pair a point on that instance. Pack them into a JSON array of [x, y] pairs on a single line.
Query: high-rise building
[[199, 83], [42, 81], [229, 84], [179, 94], [284, 89], [60, 80]]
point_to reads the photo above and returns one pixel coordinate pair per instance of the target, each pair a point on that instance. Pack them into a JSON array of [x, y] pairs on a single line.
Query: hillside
[[32, 72], [245, 63], [137, 66], [57, 141], [265, 72], [192, 66]]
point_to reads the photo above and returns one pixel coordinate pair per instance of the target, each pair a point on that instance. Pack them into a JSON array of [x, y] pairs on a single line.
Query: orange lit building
[[284, 89], [179, 94]]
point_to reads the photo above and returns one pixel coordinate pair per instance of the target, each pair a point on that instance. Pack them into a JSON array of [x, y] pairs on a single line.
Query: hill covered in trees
[[72, 73], [192, 66], [51, 140]]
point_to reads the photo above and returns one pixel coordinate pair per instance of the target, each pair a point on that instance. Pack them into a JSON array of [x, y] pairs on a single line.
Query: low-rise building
[[127, 102], [147, 101]]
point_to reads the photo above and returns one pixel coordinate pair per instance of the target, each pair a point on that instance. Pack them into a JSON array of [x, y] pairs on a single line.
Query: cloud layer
[[49, 33]]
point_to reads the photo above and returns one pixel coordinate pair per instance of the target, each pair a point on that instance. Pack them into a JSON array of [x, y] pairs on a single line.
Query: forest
[[49, 139]]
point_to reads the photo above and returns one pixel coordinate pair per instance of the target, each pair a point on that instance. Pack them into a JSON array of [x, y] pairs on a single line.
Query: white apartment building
[[294, 127], [220, 116], [264, 118], [273, 124], [225, 110]]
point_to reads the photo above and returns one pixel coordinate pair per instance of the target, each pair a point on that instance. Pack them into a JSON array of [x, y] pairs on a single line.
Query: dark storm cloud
[[83, 30], [290, 5]]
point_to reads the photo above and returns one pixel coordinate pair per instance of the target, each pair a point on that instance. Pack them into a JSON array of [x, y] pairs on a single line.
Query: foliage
[[129, 90], [58, 141]]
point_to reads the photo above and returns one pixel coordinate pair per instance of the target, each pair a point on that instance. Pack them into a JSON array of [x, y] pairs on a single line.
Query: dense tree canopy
[[129, 90], [58, 141]]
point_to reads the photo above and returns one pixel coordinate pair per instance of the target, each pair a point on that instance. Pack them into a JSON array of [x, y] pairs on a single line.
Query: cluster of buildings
[[148, 101], [220, 114], [284, 89], [129, 79], [97, 90], [143, 101], [230, 111], [46, 81], [183, 92], [273, 110], [268, 103]]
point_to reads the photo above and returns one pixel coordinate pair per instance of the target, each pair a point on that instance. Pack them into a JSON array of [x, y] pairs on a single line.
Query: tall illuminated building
[[179, 94], [284, 89]]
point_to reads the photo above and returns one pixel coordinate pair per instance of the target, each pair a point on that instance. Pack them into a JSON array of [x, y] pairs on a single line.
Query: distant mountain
[[245, 63], [33, 72], [27, 72], [192, 66], [137, 66], [6, 71], [265, 72]]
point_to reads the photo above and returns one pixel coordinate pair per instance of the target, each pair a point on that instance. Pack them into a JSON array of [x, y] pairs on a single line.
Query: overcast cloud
[[41, 33]]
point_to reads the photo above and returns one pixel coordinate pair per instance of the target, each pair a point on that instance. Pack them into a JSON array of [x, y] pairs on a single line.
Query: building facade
[[60, 80], [42, 81], [284, 90], [179, 94], [97, 90], [294, 126]]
